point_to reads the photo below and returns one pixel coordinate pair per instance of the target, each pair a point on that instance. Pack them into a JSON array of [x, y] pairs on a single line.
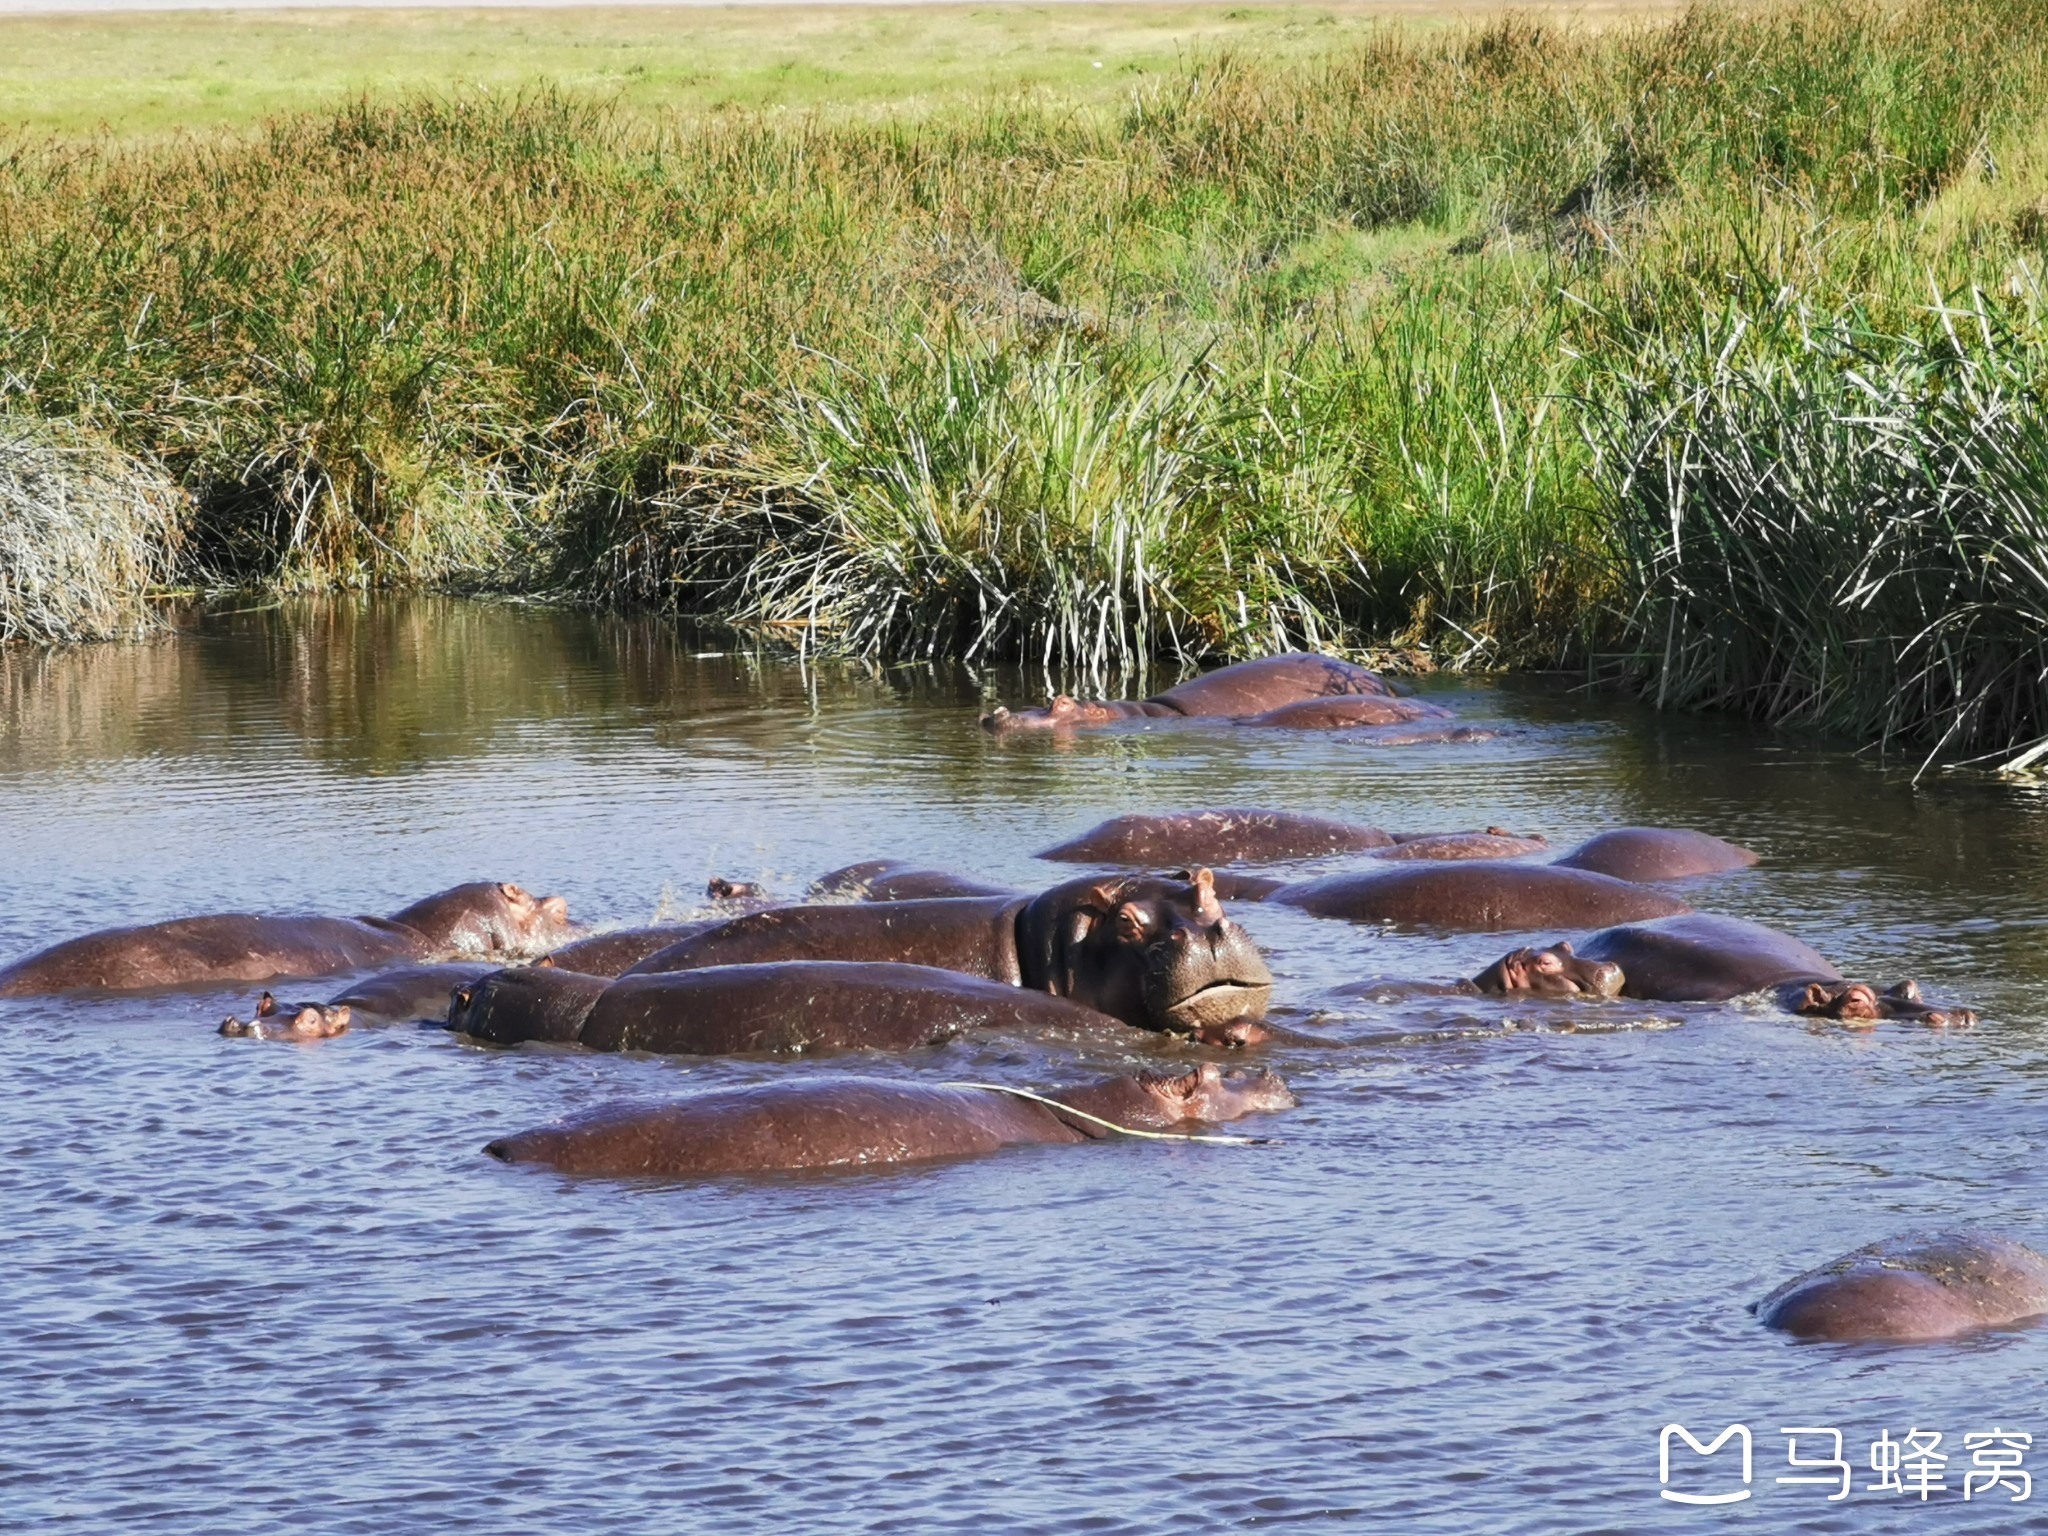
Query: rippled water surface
[[260, 1288]]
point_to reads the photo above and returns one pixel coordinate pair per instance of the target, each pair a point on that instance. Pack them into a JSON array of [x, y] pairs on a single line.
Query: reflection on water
[[1499, 1246]]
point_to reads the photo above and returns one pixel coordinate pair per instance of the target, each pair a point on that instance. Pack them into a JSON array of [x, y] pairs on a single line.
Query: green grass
[[1412, 338]]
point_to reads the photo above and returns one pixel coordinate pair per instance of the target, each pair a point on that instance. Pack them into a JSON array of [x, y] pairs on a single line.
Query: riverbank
[[1704, 352]]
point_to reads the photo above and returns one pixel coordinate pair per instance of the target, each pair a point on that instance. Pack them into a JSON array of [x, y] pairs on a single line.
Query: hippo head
[[1551, 972], [1210, 1095], [718, 888], [488, 917], [1062, 711], [298, 1021], [1856, 1002], [1153, 951], [527, 1002]]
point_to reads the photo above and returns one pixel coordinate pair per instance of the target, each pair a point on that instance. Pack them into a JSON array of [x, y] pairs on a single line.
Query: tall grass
[[1376, 350]]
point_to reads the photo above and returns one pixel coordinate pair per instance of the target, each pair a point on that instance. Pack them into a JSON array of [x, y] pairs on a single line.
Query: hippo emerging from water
[[788, 1007], [482, 917], [296, 1021], [857, 1122], [1297, 691], [1156, 953], [1912, 1288], [1701, 957]]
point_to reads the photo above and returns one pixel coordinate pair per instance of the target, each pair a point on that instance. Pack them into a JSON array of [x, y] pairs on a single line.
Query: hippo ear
[[1104, 897], [1816, 999], [545, 962], [1563, 947], [1207, 908], [266, 1005]]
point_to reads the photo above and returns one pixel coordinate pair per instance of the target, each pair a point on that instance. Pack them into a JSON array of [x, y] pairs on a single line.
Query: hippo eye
[[1549, 963]]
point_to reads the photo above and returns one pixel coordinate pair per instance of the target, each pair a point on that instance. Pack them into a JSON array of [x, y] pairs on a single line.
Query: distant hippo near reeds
[[784, 1008], [484, 917], [1243, 692], [1157, 953], [1704, 957], [855, 1122], [1474, 896], [1912, 1289]]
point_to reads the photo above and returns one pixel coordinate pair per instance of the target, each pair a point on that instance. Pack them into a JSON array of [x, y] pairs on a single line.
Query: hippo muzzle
[[1551, 972], [1199, 978]]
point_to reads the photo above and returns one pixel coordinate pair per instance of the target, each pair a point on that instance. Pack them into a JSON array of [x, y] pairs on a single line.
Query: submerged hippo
[[854, 1122], [1493, 843], [1702, 957], [408, 993], [1156, 953], [786, 1008], [898, 880], [483, 917], [297, 1021], [1250, 688], [1228, 836], [1656, 853], [1914, 1287], [1476, 896], [620, 949]]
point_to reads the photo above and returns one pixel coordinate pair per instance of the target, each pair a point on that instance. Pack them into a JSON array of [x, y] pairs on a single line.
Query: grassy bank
[[1506, 342]]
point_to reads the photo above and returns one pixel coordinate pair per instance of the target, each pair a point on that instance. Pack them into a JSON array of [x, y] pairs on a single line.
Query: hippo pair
[[483, 917], [1155, 954], [1701, 957], [1299, 691]]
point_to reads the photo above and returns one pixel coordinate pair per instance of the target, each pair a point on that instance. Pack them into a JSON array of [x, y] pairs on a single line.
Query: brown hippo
[[1156, 953], [898, 880], [297, 1021], [483, 917], [408, 993], [1702, 957], [1248, 688], [1493, 843], [1655, 853], [1227, 836], [787, 1008], [614, 952], [1476, 896], [1910, 1288], [853, 1122], [1351, 713]]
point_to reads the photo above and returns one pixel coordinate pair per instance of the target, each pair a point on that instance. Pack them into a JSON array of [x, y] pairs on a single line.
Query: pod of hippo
[[884, 955]]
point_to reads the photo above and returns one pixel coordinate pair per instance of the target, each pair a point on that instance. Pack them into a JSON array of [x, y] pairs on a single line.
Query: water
[[261, 1288]]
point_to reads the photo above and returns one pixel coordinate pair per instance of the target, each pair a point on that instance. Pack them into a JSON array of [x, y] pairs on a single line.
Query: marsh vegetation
[[1702, 351]]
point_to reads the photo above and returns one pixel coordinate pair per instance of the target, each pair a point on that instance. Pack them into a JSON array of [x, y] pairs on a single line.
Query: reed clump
[[1373, 350]]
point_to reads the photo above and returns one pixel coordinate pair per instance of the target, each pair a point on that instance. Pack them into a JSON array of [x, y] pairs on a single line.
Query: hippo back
[[613, 953], [1253, 687], [410, 992], [1226, 836], [1656, 853], [1703, 957], [975, 935], [1479, 896], [1912, 1287], [228, 946]]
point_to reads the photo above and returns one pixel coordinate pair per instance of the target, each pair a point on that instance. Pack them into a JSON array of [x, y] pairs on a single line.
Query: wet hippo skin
[[1156, 953], [1248, 688], [482, 917], [1912, 1288], [1656, 853], [787, 1007], [865, 1122], [1477, 896]]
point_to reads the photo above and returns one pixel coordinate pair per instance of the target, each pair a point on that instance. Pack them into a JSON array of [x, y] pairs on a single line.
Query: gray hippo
[[1476, 896], [484, 917], [1912, 1288], [787, 1008], [297, 1021], [1156, 953], [1702, 957], [1243, 692], [854, 1122], [1656, 853]]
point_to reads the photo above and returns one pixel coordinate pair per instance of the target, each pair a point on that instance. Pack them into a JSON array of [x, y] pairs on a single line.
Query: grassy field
[[1705, 350], [141, 74]]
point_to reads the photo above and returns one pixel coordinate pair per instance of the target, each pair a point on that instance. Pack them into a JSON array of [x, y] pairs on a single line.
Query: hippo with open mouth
[[1156, 953], [855, 1122], [1244, 692], [1913, 1288], [1702, 957], [483, 917]]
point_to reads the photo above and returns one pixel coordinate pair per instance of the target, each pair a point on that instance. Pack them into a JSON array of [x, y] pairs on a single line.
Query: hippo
[[1493, 843], [1226, 836], [787, 1008], [1247, 689], [1916, 1287], [898, 880], [298, 1021], [619, 949], [408, 993], [483, 917], [1702, 957], [1156, 953], [855, 1122], [1476, 896], [1351, 713], [1655, 853]]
